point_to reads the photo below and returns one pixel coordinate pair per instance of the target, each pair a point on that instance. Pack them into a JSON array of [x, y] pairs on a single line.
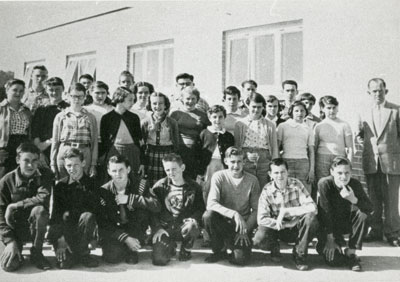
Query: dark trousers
[[164, 249], [222, 232], [355, 227], [8, 154], [30, 226], [301, 234], [78, 232], [190, 157], [383, 190]]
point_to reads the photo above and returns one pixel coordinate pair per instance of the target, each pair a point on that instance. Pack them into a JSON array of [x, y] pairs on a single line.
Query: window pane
[[292, 56], [168, 67], [152, 67], [264, 59], [138, 66], [238, 61]]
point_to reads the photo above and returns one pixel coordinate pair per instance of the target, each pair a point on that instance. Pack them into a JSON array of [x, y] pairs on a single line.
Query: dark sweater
[[209, 142], [333, 210], [109, 126], [26, 193]]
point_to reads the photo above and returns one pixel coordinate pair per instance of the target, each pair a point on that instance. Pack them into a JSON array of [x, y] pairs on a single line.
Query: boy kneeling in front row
[[343, 209], [73, 221], [123, 217], [24, 209], [180, 204], [287, 212], [231, 214]]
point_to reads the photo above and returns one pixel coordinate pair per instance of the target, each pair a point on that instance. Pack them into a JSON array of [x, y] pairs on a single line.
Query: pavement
[[380, 262]]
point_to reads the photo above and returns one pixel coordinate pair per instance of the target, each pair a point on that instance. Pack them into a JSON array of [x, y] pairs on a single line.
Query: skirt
[[154, 157]]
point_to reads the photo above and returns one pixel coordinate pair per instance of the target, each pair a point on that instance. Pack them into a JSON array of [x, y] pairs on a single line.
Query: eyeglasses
[[185, 84], [79, 97]]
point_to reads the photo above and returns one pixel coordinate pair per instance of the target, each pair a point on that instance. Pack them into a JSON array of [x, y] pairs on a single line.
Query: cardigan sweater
[[173, 130]]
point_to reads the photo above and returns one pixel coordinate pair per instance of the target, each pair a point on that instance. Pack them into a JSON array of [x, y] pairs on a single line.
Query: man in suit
[[379, 131]]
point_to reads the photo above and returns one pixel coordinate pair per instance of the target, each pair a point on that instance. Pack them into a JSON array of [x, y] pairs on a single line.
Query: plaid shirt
[[34, 99], [273, 199], [19, 121]]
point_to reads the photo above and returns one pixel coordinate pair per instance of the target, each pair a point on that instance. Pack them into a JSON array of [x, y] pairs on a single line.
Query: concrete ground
[[380, 263]]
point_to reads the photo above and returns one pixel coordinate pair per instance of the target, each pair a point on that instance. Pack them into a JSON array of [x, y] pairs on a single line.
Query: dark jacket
[[109, 126], [26, 193], [109, 215], [75, 198], [192, 204], [209, 142]]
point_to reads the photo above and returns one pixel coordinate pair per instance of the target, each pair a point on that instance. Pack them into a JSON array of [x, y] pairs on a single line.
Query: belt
[[75, 145]]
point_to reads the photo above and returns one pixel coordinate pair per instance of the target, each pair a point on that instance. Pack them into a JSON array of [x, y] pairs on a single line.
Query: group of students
[[180, 167]]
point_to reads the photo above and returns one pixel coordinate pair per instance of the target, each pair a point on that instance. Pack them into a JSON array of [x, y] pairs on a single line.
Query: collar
[[81, 112], [82, 179], [20, 179], [114, 188], [212, 130], [250, 120], [379, 107], [5, 103], [31, 90], [289, 186], [294, 124], [274, 119]]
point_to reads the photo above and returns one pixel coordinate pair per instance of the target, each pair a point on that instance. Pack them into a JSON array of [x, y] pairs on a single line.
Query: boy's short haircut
[[28, 147], [340, 161], [39, 67], [295, 104], [120, 94], [77, 87], [173, 158], [249, 81], [158, 94], [307, 96], [14, 81], [377, 80], [54, 81], [127, 74], [73, 153], [271, 99], [142, 84], [291, 82], [231, 91], [233, 151], [192, 90], [216, 109], [98, 84], [257, 98], [277, 162], [118, 159], [87, 76], [184, 76]]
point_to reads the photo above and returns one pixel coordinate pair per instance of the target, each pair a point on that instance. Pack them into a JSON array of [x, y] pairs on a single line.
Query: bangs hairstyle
[[231, 91], [158, 94], [99, 84], [216, 109], [308, 97], [120, 94], [191, 90], [87, 76], [184, 76], [291, 82], [73, 153], [119, 159], [142, 84], [233, 151], [28, 147], [54, 81], [257, 98], [340, 161], [173, 158], [249, 81], [295, 104], [12, 82], [278, 162], [78, 87]]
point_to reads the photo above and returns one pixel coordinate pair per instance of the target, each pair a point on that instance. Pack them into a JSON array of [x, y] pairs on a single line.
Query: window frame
[[78, 59]]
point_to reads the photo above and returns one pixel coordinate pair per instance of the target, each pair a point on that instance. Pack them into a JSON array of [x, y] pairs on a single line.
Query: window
[[28, 68], [267, 54], [79, 64], [154, 63]]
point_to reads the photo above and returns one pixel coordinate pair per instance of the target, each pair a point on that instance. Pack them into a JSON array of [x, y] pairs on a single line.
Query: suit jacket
[[382, 146]]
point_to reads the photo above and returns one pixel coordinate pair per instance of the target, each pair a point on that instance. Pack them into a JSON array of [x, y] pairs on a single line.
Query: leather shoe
[[373, 236]]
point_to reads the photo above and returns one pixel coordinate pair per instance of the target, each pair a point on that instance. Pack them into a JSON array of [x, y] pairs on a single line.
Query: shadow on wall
[[4, 76]]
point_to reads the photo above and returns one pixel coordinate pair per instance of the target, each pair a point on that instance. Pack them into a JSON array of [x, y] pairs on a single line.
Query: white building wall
[[345, 42]]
